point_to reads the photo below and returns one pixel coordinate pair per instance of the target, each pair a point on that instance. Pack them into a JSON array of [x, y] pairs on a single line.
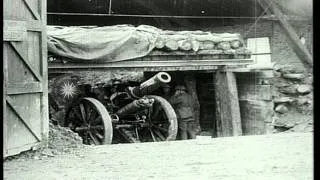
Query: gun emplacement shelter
[[225, 84], [233, 99]]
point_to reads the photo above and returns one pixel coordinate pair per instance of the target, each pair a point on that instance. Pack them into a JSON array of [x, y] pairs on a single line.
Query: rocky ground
[[285, 156]]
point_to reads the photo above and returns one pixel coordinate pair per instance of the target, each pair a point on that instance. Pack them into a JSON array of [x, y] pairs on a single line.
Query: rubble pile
[[61, 141], [293, 99]]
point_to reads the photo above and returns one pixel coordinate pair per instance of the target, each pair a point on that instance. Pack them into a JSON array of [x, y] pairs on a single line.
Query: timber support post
[[301, 51], [227, 105]]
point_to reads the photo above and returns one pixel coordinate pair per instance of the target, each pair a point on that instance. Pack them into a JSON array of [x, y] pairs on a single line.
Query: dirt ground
[[282, 156]]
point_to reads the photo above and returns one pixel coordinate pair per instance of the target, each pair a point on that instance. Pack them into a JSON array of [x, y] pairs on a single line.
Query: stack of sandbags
[[198, 40]]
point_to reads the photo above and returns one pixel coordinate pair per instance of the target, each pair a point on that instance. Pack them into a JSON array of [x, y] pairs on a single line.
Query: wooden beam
[[288, 17], [265, 8], [142, 64], [33, 12], [4, 103], [110, 7], [227, 105], [150, 16], [151, 69], [234, 104], [33, 25], [16, 150], [44, 72], [24, 88], [21, 117], [25, 60], [301, 51]]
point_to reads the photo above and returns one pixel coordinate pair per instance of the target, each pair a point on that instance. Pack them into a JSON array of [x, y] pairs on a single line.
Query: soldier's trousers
[[187, 130]]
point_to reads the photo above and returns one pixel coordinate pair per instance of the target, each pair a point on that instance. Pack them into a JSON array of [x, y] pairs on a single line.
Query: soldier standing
[[183, 105]]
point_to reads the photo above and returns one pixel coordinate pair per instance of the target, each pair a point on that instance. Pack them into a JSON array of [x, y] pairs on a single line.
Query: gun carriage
[[118, 115]]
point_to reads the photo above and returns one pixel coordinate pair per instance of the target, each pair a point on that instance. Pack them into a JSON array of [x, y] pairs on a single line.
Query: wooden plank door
[[25, 105]]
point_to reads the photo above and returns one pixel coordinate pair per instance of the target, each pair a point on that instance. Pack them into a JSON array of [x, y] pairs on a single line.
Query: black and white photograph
[[158, 89]]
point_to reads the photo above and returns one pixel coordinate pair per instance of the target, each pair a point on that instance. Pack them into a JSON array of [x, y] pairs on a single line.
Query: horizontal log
[[224, 45], [206, 45], [175, 36], [172, 45], [235, 44], [185, 45], [160, 43], [203, 37], [195, 45]]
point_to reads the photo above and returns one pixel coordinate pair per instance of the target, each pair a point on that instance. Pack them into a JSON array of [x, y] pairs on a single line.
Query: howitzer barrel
[[135, 105], [150, 85]]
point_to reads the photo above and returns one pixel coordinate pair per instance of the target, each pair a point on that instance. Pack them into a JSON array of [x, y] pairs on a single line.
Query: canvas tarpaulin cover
[[109, 43], [124, 42]]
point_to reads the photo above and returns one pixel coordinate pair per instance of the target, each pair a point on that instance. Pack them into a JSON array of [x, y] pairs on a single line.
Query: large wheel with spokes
[[164, 128], [159, 124], [90, 119]]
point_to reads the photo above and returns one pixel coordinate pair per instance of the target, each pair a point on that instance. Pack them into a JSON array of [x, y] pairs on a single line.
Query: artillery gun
[[127, 115]]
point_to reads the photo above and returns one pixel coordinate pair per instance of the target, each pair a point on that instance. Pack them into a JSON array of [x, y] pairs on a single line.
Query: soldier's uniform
[[183, 104]]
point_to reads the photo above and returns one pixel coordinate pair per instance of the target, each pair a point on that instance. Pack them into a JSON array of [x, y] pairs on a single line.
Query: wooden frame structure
[[301, 51], [228, 108]]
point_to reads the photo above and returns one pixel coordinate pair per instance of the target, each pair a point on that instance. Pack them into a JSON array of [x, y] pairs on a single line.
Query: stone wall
[[293, 99], [281, 50], [292, 85]]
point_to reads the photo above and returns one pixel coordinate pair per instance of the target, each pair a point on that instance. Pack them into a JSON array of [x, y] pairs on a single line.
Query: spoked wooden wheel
[[164, 128], [90, 119]]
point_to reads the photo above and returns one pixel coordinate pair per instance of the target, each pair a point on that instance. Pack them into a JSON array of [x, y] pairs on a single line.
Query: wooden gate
[[25, 102]]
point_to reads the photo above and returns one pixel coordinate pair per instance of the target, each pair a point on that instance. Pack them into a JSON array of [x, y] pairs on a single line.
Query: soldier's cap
[[180, 87]]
